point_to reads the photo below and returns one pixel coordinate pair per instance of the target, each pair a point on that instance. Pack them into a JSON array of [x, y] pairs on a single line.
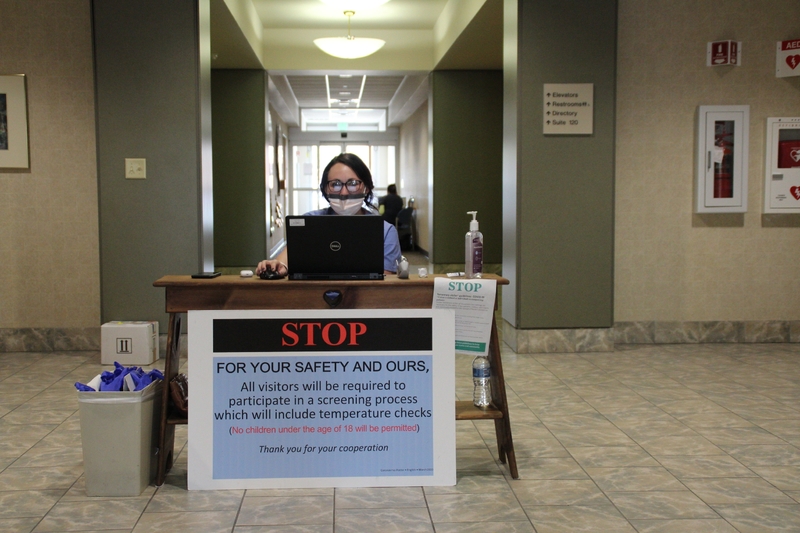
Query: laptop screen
[[335, 247]]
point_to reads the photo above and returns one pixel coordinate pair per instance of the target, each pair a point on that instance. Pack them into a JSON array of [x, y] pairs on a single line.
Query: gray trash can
[[119, 435]]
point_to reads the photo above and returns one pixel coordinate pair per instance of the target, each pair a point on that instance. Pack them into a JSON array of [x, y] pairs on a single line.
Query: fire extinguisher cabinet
[[722, 158], [782, 181]]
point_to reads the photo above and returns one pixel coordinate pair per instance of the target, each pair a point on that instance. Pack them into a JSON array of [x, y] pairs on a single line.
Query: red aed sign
[[791, 45], [787, 59]]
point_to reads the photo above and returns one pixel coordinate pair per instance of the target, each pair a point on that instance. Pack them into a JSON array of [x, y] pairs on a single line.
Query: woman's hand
[[273, 265]]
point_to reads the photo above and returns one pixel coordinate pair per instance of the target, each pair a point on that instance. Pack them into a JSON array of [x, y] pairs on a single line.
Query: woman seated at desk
[[347, 186]]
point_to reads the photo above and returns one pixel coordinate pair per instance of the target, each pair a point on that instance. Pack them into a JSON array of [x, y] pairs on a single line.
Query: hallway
[[657, 438]]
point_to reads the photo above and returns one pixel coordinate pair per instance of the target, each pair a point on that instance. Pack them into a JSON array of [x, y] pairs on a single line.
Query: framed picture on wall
[[283, 142], [278, 192], [278, 156], [271, 166], [13, 122]]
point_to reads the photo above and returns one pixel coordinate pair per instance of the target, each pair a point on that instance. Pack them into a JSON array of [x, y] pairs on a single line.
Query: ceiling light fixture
[[349, 47], [354, 5]]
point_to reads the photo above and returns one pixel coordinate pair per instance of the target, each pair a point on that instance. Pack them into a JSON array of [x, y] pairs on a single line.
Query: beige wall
[[672, 265], [414, 170], [49, 273]]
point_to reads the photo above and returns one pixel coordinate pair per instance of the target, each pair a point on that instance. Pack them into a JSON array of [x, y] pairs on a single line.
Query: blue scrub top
[[391, 242]]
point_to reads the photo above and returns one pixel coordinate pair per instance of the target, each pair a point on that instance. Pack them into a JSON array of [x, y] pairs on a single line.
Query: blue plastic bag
[[115, 381], [142, 379]]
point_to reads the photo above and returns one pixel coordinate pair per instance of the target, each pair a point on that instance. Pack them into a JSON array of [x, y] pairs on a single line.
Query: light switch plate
[[135, 169]]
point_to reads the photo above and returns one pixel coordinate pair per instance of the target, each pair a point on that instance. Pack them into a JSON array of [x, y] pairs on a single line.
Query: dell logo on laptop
[[336, 246]]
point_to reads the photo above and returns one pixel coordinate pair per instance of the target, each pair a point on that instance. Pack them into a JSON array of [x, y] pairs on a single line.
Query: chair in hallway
[[405, 229]]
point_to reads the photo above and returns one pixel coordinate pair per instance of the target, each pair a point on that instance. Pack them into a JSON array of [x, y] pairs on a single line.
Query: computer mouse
[[270, 274]]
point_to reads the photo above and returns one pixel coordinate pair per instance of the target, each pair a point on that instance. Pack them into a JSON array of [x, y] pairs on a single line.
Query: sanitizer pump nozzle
[[473, 249]]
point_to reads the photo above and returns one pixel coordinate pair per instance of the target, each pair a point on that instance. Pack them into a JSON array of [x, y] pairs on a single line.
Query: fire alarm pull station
[[722, 155], [782, 181]]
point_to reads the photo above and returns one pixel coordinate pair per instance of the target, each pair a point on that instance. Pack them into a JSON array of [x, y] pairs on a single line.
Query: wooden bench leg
[[502, 426], [166, 437]]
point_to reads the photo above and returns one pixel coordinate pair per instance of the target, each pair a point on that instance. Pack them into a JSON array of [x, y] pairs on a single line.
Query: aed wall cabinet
[[782, 180], [722, 155]]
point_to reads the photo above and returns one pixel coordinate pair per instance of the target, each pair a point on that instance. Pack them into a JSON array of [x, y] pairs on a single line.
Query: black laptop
[[335, 247]]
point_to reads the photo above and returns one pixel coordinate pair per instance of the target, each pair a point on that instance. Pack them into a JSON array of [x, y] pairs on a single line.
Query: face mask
[[346, 205]]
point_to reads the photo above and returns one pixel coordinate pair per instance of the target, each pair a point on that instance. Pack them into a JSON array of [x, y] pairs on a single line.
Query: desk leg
[[502, 426], [166, 437]]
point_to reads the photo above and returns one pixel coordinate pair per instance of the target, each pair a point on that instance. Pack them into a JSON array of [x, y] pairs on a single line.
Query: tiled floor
[[669, 438]]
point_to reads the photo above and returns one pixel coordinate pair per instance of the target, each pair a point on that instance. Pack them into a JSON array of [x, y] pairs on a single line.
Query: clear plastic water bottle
[[482, 392]]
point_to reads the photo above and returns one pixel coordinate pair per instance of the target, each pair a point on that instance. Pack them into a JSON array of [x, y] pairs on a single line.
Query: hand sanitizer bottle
[[473, 249]]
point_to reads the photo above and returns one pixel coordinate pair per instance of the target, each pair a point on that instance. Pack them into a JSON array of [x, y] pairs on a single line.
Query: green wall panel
[[467, 140], [239, 108], [565, 183], [148, 102]]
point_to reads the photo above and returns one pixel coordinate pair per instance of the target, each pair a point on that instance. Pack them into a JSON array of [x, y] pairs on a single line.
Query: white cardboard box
[[129, 343]]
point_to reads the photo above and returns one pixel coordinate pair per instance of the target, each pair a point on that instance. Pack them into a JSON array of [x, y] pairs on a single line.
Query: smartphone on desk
[[205, 275]]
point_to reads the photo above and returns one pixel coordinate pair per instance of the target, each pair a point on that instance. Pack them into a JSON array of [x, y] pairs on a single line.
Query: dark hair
[[392, 189], [356, 165]]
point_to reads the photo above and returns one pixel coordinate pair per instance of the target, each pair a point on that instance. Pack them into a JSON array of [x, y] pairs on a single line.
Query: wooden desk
[[184, 293]]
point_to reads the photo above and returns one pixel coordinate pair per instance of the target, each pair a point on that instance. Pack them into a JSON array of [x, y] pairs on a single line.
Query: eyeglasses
[[352, 185]]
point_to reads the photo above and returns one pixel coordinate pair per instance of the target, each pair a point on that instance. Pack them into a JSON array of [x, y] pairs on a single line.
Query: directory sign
[[321, 398], [568, 109]]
